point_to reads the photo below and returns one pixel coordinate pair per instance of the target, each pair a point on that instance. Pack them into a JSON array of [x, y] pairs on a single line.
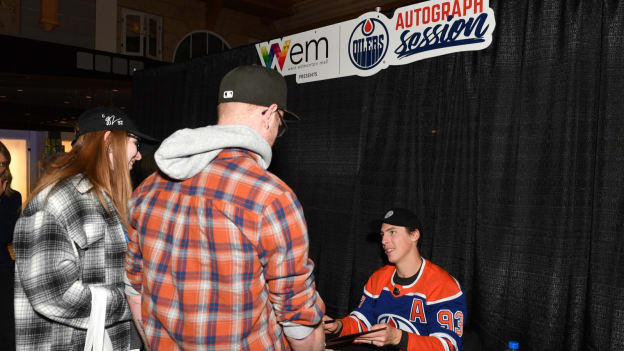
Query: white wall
[[19, 164], [106, 25], [28, 145]]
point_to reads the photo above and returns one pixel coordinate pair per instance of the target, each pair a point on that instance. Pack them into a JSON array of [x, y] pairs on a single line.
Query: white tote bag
[[97, 336]]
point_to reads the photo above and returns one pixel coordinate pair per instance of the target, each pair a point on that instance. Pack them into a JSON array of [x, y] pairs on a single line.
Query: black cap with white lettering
[[108, 118]]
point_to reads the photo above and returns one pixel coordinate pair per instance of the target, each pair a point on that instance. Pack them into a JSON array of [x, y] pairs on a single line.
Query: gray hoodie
[[187, 152]]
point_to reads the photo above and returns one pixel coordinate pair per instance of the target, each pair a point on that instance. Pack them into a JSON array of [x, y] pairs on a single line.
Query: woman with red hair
[[70, 243]]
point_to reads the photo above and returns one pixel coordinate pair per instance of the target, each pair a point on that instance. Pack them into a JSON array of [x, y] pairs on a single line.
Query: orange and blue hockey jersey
[[431, 309]]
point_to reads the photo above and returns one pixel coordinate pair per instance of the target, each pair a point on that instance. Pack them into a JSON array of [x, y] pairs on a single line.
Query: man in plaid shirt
[[219, 248]]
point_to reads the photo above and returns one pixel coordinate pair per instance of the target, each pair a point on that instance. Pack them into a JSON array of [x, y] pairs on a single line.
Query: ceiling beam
[[263, 9], [304, 18], [212, 13]]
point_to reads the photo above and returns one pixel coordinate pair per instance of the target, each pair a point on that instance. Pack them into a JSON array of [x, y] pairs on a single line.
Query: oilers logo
[[397, 322], [368, 43]]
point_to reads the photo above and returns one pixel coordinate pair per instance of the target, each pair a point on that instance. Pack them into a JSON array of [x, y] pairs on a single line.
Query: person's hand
[[388, 336], [331, 328], [134, 302]]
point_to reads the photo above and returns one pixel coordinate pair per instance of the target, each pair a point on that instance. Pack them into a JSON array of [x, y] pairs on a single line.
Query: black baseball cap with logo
[[255, 85], [401, 217], [108, 118]]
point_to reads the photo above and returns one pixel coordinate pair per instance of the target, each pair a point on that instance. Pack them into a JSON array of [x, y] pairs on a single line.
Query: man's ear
[[415, 235], [267, 114]]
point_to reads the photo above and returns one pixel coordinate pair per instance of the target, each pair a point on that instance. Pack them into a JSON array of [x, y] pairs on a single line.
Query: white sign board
[[372, 42]]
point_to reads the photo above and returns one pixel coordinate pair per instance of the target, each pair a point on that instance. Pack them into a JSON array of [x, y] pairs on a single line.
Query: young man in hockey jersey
[[415, 304]]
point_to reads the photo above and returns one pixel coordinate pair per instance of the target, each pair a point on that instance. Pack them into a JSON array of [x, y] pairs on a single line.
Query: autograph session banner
[[372, 42]]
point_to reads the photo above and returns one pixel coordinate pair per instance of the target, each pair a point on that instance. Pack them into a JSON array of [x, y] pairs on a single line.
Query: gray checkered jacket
[[52, 296]]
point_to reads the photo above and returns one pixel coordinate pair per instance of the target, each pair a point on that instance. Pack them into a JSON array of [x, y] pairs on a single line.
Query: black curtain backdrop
[[513, 156]]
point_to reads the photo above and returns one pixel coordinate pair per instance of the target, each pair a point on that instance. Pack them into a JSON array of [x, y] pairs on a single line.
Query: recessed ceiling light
[[2, 96], [19, 90], [66, 102], [115, 90], [89, 97]]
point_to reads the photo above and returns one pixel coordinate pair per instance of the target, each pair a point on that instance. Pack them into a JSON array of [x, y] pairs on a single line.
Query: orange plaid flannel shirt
[[221, 258]]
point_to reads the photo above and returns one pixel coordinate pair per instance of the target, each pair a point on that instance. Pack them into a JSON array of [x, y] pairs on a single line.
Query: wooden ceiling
[[295, 16], [42, 102]]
